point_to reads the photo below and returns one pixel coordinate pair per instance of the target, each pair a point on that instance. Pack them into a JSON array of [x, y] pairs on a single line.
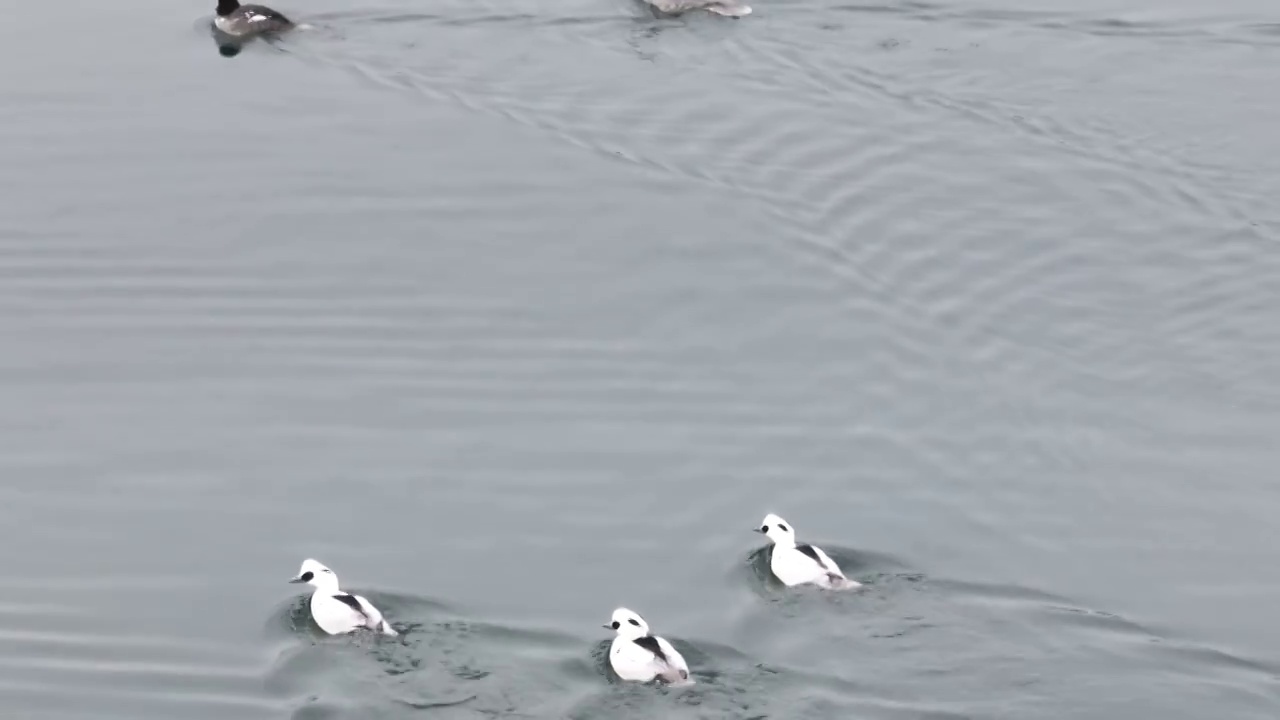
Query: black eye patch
[[764, 528], [306, 576], [633, 622], [615, 624]]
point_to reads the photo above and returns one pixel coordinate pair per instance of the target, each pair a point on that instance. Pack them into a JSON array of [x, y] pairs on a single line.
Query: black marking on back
[[351, 602], [266, 12], [807, 549], [650, 643]]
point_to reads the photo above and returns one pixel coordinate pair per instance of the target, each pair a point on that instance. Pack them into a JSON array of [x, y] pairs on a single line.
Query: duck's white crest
[[639, 656], [335, 611], [801, 564]]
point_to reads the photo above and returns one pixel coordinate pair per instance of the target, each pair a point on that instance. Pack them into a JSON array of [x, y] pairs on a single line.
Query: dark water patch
[[440, 661], [354, 674], [1264, 29], [448, 663], [996, 593], [402, 611], [727, 683]]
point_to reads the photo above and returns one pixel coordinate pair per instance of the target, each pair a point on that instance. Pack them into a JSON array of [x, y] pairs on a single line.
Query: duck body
[[335, 611], [728, 8], [338, 613], [637, 655], [807, 564], [647, 658], [243, 21], [801, 563]]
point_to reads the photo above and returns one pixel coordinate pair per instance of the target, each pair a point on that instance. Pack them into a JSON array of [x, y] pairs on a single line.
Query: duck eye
[[615, 624], [764, 528], [306, 576], [633, 622]]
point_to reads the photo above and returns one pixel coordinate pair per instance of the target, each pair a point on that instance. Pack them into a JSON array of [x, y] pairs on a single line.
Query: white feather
[[334, 616], [637, 663], [794, 567]]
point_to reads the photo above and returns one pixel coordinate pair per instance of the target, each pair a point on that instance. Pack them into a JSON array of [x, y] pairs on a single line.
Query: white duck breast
[[335, 611], [801, 564], [638, 656], [728, 8]]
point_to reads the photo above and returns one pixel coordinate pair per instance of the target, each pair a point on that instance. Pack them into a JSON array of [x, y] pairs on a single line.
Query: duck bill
[[296, 580]]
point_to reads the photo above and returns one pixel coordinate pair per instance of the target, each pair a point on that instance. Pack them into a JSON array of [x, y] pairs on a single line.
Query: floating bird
[[799, 564], [335, 611], [242, 21], [639, 656], [728, 8]]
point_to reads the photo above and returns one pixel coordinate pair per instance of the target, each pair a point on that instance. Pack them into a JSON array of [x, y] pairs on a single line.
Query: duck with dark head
[[244, 21]]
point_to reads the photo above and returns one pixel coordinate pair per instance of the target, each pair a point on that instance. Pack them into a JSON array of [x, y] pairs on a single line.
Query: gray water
[[515, 312]]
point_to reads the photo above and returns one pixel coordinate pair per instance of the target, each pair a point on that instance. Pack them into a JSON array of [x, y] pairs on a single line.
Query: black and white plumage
[[242, 21], [728, 8], [800, 564], [640, 656], [335, 611]]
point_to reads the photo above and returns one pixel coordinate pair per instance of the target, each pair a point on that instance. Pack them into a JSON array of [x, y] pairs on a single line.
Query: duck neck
[[329, 586]]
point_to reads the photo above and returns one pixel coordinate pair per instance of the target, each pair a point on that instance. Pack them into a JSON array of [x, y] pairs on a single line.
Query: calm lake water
[[514, 312]]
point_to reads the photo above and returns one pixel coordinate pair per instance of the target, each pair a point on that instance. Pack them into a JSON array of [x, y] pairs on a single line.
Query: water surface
[[513, 313]]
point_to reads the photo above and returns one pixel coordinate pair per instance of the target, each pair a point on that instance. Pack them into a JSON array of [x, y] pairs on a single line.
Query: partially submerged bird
[[799, 564], [728, 8], [335, 611], [639, 656], [242, 21]]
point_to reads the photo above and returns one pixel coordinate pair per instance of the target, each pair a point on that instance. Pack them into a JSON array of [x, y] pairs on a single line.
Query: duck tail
[[840, 582], [730, 8], [676, 676]]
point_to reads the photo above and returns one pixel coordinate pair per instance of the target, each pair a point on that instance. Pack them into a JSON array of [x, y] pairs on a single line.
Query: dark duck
[[243, 21]]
